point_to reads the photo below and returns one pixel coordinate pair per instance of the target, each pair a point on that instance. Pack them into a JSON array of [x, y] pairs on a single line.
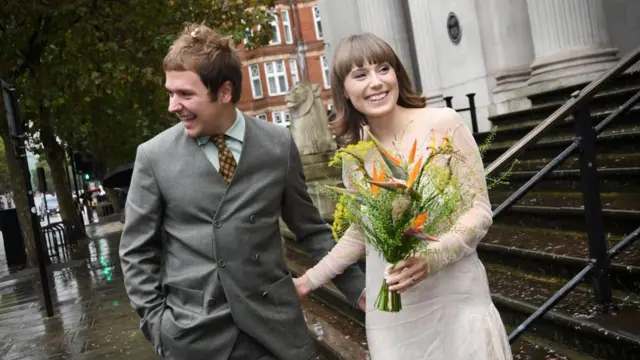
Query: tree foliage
[[96, 65], [5, 179]]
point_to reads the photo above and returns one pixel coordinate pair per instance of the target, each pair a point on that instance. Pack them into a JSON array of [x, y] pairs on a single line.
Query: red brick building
[[270, 71]]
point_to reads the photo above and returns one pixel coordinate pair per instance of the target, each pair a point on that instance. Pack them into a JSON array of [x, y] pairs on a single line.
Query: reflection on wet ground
[[92, 320]]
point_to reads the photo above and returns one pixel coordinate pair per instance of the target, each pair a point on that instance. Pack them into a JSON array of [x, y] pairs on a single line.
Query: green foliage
[[504, 175], [5, 179], [97, 64]]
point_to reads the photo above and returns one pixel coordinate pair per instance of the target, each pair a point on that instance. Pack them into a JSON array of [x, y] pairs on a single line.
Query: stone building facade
[[501, 50]]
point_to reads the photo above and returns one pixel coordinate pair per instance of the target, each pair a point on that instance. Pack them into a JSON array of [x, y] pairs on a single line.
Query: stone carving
[[309, 128], [309, 119]]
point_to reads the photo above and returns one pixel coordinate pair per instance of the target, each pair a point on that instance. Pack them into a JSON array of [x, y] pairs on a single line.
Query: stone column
[[339, 19], [387, 20], [570, 40], [513, 43], [426, 53]]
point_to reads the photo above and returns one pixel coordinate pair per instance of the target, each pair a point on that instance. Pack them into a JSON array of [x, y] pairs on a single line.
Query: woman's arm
[[474, 221], [347, 251]]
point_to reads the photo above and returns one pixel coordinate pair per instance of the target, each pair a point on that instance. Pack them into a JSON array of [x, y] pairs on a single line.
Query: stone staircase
[[534, 248]]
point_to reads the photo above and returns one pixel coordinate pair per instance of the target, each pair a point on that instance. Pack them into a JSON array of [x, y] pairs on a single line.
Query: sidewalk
[[92, 317]]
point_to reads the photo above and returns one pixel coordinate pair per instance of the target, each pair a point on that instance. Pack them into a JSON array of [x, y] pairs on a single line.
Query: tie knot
[[219, 140]]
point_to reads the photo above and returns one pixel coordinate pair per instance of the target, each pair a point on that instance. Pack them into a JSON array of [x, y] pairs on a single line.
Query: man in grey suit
[[216, 285]]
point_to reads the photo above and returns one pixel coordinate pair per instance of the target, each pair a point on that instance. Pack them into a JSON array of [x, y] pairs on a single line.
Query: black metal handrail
[[542, 310], [564, 155], [586, 137], [562, 113]]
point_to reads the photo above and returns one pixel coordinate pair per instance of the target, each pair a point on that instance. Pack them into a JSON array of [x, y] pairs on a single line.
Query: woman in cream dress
[[447, 312]]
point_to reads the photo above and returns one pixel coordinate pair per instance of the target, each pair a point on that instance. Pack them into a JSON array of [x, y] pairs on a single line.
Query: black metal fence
[[60, 239], [471, 109]]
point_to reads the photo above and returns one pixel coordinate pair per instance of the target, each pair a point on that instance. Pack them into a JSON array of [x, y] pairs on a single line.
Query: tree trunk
[[19, 189], [56, 158]]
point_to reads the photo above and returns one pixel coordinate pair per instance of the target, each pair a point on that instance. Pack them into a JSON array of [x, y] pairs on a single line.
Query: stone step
[[603, 160], [556, 252], [569, 219], [612, 180], [529, 346], [338, 337], [575, 321], [515, 131], [617, 140], [622, 82], [541, 110], [570, 199]]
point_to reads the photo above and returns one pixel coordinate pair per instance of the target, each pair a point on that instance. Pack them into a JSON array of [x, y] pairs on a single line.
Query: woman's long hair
[[354, 51]]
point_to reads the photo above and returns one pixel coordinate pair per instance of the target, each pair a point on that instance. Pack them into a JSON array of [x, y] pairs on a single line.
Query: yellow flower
[[340, 220], [360, 149]]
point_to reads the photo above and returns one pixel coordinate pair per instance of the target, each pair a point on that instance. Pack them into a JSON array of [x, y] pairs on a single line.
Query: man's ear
[[225, 92]]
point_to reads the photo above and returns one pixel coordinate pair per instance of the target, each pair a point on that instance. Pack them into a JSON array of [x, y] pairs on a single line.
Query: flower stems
[[388, 301]]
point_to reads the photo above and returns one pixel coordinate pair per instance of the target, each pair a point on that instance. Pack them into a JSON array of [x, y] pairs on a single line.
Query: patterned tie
[[227, 162]]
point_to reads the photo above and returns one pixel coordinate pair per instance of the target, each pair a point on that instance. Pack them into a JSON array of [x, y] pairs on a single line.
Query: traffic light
[[86, 176]]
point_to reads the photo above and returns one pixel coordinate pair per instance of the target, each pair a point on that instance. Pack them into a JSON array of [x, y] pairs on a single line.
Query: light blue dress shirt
[[235, 140]]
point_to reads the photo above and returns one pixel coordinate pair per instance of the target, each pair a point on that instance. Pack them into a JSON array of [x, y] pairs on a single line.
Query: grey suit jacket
[[220, 268]]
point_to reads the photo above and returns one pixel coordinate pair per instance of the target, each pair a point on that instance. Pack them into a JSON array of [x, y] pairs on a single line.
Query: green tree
[[90, 77], [5, 180]]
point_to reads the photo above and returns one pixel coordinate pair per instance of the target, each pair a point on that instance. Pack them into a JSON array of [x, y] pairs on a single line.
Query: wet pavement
[[92, 317]]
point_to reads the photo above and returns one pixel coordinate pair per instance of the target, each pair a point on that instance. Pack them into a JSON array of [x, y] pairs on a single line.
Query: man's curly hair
[[213, 57]]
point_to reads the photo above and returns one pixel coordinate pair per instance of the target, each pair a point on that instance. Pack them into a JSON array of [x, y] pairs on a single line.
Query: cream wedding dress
[[450, 315]]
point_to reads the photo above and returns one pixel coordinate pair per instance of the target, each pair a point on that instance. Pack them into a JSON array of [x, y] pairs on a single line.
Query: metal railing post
[[448, 101], [472, 111], [593, 206]]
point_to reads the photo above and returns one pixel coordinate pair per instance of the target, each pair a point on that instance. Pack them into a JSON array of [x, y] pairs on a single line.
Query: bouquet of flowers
[[401, 204]]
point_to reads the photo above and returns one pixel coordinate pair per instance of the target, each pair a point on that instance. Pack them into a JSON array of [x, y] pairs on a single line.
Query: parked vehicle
[[52, 205]]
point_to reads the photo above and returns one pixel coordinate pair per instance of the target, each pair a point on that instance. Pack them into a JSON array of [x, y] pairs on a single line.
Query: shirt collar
[[236, 131]]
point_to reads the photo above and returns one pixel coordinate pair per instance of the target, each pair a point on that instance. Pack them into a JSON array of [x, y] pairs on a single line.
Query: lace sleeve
[[475, 219], [347, 251]]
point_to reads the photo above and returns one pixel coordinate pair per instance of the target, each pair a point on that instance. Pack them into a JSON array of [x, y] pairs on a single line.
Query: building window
[[317, 22], [262, 117], [286, 26], [256, 84], [325, 72], [293, 66], [275, 40], [276, 77], [281, 118]]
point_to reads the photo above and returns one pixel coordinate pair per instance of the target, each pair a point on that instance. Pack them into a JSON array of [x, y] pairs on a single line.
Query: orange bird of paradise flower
[[417, 229]]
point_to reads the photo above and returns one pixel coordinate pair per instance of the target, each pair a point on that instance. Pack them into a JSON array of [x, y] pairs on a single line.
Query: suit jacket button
[[257, 257], [211, 303], [264, 294], [222, 263], [217, 223], [252, 219]]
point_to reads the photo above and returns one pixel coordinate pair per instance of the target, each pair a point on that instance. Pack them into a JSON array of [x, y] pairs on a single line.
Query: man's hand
[[302, 287]]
